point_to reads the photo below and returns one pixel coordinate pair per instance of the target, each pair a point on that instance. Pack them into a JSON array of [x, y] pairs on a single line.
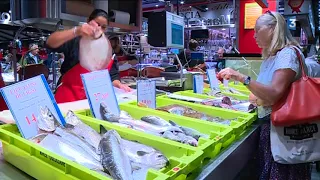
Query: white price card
[[198, 84], [27, 100], [146, 92], [100, 93], [214, 82], [225, 82]]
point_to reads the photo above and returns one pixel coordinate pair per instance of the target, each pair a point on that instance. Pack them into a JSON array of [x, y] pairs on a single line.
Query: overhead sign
[[291, 22], [251, 13], [296, 6], [27, 100]]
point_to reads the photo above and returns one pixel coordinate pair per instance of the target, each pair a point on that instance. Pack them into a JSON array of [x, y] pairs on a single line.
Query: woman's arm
[[58, 38]]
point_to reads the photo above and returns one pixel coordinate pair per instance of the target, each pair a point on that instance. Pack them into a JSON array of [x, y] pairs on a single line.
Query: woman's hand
[[253, 99], [90, 29], [229, 73], [125, 87]]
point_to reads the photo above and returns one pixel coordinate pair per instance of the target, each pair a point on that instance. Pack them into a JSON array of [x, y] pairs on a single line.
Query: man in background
[[221, 62], [185, 56], [32, 57]]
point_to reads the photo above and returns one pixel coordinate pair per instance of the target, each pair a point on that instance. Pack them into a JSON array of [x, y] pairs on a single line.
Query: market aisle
[[9, 172]]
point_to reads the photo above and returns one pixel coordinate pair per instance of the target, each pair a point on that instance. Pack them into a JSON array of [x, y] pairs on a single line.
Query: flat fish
[[155, 121], [70, 151], [113, 157], [95, 54]]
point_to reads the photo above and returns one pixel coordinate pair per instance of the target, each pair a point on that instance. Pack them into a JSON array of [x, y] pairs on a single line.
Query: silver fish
[[113, 158], [171, 136], [91, 56], [123, 125], [190, 131], [70, 151], [46, 121], [155, 121], [144, 156], [106, 114], [140, 174], [187, 139], [38, 138], [66, 135], [83, 131]]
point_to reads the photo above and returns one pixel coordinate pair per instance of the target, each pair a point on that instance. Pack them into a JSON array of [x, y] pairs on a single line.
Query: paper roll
[[120, 17]]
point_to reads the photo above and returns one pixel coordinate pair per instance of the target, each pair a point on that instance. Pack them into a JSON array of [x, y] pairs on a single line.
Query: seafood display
[[218, 92], [107, 154], [189, 112], [156, 126]]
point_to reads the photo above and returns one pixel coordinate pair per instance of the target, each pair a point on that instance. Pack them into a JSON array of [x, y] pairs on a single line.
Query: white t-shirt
[[313, 67], [284, 59]]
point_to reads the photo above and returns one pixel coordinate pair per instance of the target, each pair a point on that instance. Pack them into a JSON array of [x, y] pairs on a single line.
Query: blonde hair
[[281, 35]]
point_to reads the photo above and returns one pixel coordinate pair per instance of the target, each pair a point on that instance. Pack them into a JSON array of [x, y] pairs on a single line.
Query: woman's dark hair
[[193, 44], [96, 13]]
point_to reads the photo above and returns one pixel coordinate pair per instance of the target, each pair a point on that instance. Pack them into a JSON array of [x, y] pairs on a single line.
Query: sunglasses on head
[[270, 13]]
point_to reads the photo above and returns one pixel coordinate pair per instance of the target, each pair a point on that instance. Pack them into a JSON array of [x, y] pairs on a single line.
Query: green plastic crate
[[220, 136], [207, 90], [243, 119], [43, 164], [203, 96], [238, 86]]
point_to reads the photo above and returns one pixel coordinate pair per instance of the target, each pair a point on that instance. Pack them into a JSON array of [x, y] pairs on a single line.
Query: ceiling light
[[157, 5], [223, 29], [181, 2], [190, 6], [207, 8]]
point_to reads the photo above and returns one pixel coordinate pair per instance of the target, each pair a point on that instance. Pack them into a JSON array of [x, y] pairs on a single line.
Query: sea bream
[[113, 157], [95, 52], [155, 120], [141, 155], [80, 129]]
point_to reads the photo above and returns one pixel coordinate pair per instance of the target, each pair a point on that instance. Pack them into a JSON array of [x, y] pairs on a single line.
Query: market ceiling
[[161, 3]]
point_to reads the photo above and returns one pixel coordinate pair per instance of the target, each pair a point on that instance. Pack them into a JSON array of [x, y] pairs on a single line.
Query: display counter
[[241, 151]]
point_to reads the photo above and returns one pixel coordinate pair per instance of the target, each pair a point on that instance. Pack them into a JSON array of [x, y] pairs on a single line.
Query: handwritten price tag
[[99, 89], [198, 84], [214, 82], [146, 92], [225, 82], [25, 100]]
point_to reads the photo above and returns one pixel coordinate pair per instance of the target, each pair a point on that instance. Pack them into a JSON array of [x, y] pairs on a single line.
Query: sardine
[[70, 151], [190, 131], [155, 121], [46, 121], [91, 54], [144, 156], [83, 131], [113, 158], [78, 141]]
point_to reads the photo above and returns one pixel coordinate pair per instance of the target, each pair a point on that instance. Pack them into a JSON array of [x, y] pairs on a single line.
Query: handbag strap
[[304, 74]]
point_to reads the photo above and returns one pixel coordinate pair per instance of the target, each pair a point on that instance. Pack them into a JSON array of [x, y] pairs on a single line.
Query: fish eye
[[160, 155]]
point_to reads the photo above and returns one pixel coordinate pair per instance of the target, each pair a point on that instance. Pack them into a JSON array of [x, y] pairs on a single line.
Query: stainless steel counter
[[226, 166]]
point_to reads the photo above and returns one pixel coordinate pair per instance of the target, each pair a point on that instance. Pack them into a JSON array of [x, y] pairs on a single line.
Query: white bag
[[295, 144]]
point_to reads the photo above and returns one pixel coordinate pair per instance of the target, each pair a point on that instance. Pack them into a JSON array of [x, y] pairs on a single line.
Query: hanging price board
[[146, 91], [198, 84], [214, 82], [26, 99], [99, 89]]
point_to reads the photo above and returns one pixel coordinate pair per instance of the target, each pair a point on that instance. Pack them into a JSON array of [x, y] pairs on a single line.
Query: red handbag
[[302, 104]]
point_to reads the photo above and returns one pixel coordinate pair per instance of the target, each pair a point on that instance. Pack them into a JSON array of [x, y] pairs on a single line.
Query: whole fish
[[155, 120], [38, 138], [66, 135], [171, 136], [144, 156], [111, 117], [46, 121], [187, 139], [83, 131], [113, 157], [190, 131], [140, 174], [91, 54], [70, 151]]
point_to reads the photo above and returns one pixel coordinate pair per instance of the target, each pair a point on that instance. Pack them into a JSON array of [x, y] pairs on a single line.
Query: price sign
[[225, 82], [25, 101], [99, 89], [146, 91], [214, 82], [198, 84]]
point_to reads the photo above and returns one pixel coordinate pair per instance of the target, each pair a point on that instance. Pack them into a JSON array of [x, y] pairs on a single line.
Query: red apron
[[3, 105], [71, 87]]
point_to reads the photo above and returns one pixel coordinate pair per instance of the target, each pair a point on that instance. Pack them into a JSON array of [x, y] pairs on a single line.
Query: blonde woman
[[278, 70]]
